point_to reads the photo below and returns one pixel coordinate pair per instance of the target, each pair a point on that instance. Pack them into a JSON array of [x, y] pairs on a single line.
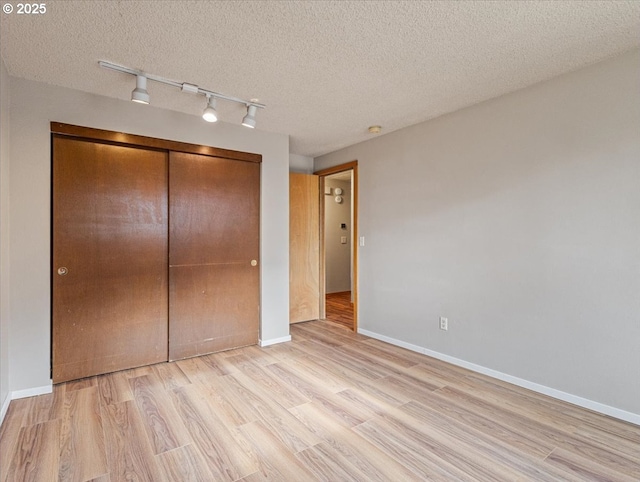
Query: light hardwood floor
[[331, 405]]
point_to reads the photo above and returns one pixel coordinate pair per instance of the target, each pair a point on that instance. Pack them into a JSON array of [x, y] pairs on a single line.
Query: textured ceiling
[[325, 70]]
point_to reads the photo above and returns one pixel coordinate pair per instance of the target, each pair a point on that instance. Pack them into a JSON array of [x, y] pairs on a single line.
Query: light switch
[[361, 240], [343, 240]]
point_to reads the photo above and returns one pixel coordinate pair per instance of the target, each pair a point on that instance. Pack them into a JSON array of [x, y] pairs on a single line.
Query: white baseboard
[[551, 392], [5, 407], [274, 341], [31, 392], [393, 341]]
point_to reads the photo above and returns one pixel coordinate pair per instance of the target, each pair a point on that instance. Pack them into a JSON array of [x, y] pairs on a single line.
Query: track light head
[[249, 120], [210, 114], [140, 93]]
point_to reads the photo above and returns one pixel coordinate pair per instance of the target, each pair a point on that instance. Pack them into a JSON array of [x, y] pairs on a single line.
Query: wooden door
[[304, 248], [214, 245], [109, 280]]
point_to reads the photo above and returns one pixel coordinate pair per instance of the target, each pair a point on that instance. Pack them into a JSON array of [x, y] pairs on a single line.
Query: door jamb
[[349, 166]]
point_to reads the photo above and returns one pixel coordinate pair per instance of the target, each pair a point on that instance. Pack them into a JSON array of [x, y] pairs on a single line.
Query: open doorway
[[338, 227], [338, 248]]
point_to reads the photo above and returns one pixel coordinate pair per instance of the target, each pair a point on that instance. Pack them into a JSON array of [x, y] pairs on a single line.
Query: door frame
[[323, 173]]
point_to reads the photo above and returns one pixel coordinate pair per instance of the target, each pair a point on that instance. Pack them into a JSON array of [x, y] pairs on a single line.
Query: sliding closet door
[[109, 280], [214, 273]]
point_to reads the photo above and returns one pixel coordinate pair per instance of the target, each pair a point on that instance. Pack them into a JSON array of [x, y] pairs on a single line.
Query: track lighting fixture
[[210, 114], [250, 119], [140, 94]]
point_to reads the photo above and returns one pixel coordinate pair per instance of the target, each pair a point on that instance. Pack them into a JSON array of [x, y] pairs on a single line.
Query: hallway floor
[[340, 308]]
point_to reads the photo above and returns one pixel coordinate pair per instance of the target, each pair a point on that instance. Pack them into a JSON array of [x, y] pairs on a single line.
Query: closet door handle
[[62, 271], [254, 262]]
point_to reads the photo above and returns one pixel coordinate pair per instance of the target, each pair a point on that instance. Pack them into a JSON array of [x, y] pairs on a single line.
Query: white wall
[[33, 106], [519, 220], [337, 255], [4, 239], [301, 164]]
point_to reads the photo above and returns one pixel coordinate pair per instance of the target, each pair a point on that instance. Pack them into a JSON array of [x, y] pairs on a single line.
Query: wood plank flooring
[[331, 405], [339, 308]]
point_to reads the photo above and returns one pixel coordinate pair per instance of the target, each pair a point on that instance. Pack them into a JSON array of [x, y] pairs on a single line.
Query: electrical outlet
[[444, 323]]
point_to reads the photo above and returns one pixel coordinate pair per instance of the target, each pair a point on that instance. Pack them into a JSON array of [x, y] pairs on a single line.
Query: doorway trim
[[323, 173]]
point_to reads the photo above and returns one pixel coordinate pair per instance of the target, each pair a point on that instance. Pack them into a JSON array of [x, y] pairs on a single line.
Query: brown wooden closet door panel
[[214, 230], [110, 233], [213, 308]]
